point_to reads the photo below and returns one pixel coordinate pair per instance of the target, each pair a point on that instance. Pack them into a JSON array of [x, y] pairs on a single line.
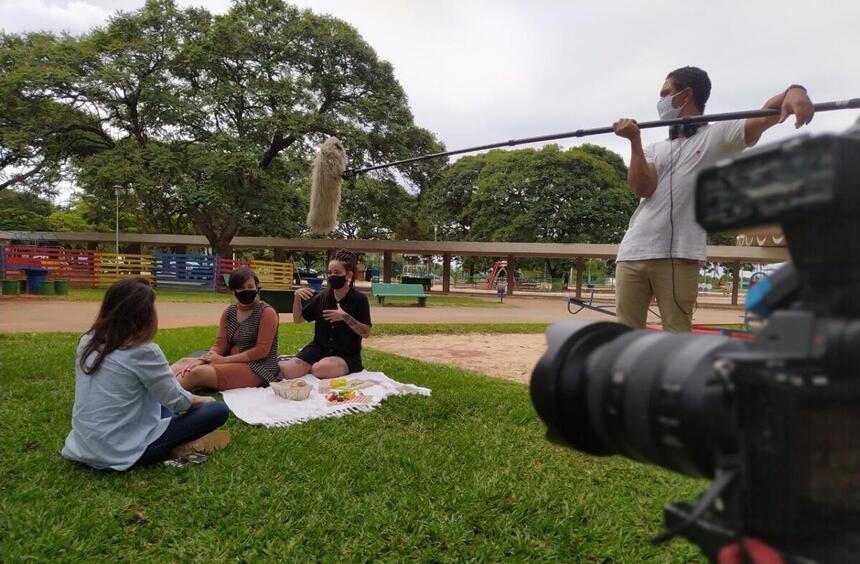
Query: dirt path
[[509, 356], [42, 314]]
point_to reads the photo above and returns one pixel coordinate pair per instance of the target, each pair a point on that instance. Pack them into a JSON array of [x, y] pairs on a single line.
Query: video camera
[[774, 422]]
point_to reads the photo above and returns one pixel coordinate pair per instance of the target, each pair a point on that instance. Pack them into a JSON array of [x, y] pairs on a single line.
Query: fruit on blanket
[[337, 383], [340, 395]]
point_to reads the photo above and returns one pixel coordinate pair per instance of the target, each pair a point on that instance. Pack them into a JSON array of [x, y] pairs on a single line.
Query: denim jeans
[[185, 428]]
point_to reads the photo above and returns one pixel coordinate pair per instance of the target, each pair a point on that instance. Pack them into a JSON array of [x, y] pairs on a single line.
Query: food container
[[296, 390]]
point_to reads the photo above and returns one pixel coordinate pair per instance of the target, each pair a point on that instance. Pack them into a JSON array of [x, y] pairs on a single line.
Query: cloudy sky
[[480, 71]]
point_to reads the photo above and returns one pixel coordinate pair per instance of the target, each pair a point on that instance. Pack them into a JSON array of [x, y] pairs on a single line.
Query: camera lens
[[559, 383], [605, 389]]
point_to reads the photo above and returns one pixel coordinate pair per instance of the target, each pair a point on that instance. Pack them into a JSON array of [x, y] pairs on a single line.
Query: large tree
[[579, 195], [42, 124], [209, 122], [374, 209], [550, 195], [446, 200], [26, 211], [23, 211]]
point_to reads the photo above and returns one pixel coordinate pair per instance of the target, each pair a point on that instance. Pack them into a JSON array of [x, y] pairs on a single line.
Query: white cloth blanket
[[261, 406]]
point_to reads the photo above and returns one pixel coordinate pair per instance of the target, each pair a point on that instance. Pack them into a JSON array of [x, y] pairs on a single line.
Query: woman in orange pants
[[245, 352]]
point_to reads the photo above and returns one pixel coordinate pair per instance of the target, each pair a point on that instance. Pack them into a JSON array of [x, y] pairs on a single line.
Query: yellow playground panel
[[274, 275], [110, 267]]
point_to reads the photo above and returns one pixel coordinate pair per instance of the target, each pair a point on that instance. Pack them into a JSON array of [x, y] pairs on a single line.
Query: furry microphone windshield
[[328, 169]]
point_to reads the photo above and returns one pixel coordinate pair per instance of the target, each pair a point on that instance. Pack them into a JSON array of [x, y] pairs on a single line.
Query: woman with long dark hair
[[127, 400], [245, 353], [341, 317]]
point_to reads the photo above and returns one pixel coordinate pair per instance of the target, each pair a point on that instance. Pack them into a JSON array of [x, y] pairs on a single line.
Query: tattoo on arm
[[356, 326]]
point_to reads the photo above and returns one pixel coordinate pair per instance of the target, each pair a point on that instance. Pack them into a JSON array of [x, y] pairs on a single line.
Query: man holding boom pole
[[664, 247]]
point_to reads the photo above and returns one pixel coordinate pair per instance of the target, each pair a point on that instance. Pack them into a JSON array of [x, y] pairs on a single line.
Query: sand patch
[[508, 356]]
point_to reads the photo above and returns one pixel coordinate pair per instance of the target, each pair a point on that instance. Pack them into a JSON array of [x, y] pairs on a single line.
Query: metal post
[[446, 273], [580, 266], [116, 192], [736, 281], [512, 274], [386, 267]]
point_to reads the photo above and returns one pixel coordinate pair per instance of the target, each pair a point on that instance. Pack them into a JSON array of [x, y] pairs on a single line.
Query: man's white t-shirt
[[677, 162]]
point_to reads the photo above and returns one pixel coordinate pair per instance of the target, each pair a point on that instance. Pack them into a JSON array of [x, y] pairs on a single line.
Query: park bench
[[425, 281], [381, 291]]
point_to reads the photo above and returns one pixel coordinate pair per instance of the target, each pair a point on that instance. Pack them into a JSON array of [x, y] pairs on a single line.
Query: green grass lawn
[[441, 300], [191, 296], [163, 295], [464, 475]]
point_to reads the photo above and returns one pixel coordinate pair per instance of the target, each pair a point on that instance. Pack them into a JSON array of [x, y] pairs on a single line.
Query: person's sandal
[[209, 443]]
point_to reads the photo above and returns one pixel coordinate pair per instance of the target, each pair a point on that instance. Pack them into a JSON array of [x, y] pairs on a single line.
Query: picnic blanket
[[261, 406]]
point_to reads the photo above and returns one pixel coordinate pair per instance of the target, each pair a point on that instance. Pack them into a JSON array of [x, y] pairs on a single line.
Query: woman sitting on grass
[[342, 318], [126, 396], [245, 353]]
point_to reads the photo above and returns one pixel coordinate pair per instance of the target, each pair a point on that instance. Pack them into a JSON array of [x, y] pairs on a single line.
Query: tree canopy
[[207, 121], [207, 124], [552, 195]]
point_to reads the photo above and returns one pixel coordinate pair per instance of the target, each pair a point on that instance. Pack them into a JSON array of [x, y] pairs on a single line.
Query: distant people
[[341, 317], [129, 409], [245, 353]]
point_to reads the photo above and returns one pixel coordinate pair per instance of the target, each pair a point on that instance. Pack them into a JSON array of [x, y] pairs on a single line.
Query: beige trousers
[[637, 282]]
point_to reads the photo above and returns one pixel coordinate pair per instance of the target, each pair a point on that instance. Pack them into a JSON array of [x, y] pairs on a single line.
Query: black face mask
[[245, 297], [337, 282]]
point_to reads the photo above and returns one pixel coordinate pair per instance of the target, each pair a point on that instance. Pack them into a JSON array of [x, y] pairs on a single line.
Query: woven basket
[[296, 390]]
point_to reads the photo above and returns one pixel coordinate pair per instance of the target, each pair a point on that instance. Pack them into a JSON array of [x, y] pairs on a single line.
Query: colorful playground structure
[[95, 274], [499, 274], [84, 268]]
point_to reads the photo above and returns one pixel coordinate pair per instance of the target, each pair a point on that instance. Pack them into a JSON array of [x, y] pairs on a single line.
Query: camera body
[[775, 422]]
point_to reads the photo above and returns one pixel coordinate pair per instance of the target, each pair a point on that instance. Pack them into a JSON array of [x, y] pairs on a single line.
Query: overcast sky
[[480, 71]]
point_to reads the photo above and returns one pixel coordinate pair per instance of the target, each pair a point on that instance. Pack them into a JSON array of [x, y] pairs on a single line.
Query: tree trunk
[[219, 238], [220, 243], [221, 247]]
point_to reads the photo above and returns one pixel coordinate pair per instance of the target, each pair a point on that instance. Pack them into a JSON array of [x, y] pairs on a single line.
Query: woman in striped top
[[245, 353]]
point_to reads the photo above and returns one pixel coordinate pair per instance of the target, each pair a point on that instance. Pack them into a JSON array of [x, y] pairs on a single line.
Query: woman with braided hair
[[342, 319]]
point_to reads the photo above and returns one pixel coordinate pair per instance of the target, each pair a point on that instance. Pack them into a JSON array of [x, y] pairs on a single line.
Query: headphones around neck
[[688, 130]]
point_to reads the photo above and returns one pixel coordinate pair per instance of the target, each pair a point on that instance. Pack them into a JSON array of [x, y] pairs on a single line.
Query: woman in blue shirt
[[129, 408]]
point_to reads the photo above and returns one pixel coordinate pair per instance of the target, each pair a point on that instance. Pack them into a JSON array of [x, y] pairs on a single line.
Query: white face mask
[[665, 109]]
